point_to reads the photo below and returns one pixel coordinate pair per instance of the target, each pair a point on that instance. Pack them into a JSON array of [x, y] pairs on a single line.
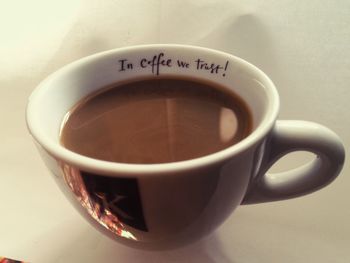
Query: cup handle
[[289, 136]]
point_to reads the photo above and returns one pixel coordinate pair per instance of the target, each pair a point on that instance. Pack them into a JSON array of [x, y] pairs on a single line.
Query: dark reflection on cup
[[120, 196], [113, 202]]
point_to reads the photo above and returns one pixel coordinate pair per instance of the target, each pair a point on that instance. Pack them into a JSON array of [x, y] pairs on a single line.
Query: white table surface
[[304, 46]]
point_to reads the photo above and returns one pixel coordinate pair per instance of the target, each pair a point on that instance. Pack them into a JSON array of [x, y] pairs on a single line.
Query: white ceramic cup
[[160, 206]]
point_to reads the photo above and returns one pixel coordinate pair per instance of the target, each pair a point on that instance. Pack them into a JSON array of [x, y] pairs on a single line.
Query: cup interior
[[56, 95]]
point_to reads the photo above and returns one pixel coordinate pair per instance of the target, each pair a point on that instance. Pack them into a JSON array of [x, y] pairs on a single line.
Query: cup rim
[[108, 168]]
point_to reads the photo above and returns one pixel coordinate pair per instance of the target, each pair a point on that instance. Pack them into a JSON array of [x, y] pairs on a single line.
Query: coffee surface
[[156, 120]]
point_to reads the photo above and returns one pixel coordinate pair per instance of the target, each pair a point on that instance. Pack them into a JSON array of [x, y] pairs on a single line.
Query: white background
[[304, 46]]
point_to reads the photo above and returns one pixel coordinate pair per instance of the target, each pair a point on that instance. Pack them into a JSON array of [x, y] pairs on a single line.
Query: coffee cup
[[166, 205]]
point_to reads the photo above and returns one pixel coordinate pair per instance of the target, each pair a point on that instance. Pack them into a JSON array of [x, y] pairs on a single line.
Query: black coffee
[[156, 120]]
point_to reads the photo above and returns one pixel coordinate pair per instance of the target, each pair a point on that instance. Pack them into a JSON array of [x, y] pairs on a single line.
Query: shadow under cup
[[152, 206]]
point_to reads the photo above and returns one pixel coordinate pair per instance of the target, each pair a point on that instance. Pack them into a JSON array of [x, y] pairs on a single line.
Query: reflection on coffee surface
[[156, 120]]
